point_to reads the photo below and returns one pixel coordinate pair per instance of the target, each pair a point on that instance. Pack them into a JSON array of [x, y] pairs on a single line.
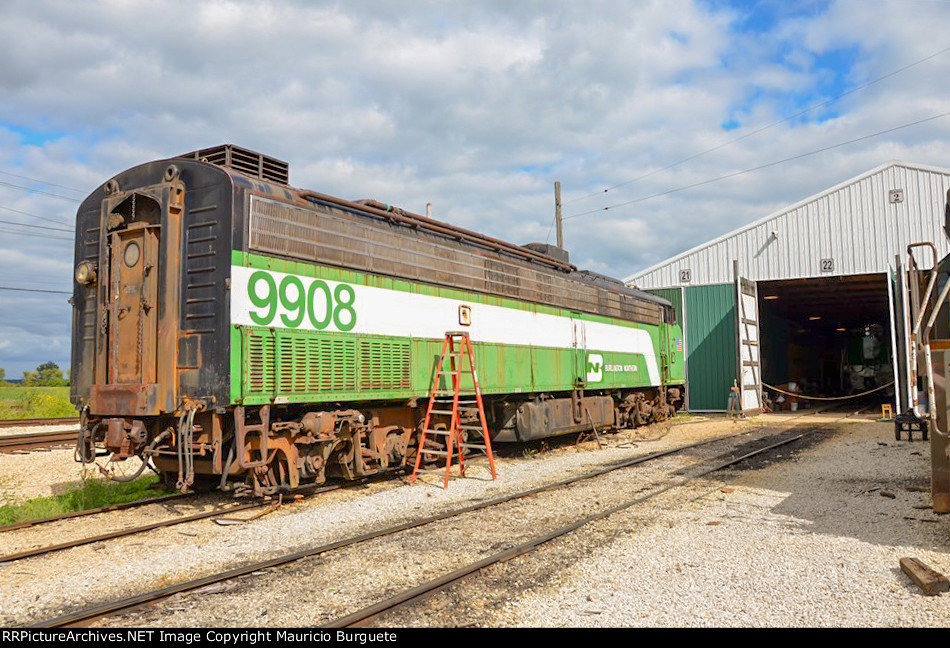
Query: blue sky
[[477, 108]]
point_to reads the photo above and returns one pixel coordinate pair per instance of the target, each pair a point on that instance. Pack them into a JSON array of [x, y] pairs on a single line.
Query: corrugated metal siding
[[710, 346], [674, 296], [854, 224]]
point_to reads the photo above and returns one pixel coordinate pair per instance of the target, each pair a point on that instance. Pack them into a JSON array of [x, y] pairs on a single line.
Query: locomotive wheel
[[277, 476], [393, 450]]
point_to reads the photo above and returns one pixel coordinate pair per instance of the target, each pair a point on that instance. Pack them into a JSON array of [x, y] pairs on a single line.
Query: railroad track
[[42, 551], [367, 615], [123, 533], [93, 511], [37, 440], [90, 614], [5, 423]]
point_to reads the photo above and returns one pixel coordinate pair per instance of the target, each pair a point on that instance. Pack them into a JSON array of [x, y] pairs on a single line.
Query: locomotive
[[229, 328]]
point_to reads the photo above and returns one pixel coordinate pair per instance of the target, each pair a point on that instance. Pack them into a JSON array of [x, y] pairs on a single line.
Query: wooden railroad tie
[[930, 581]]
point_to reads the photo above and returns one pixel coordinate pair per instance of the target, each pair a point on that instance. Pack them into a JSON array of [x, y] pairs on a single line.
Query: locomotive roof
[[616, 285], [258, 167]]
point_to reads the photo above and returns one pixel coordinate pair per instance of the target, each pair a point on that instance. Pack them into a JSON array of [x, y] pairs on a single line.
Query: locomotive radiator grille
[[384, 365], [300, 363], [260, 363], [335, 367]]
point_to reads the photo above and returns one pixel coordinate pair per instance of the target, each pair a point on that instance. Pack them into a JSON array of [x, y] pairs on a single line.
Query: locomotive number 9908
[[316, 302]]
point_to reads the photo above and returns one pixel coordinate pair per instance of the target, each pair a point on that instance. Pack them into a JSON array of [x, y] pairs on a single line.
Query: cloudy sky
[[477, 107]]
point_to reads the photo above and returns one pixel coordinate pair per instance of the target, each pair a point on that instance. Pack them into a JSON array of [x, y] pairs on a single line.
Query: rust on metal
[[939, 444], [37, 422], [317, 232], [98, 611], [20, 442], [93, 511], [155, 368], [136, 356]]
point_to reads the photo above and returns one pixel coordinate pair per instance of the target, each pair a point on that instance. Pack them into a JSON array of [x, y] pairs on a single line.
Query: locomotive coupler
[[124, 437]]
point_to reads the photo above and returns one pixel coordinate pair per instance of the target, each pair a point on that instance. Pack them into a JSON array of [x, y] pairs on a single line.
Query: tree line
[[47, 374]]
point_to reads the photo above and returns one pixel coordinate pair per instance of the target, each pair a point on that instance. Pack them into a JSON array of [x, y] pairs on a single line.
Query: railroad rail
[[83, 617], [42, 551], [122, 533], [36, 440], [368, 614], [93, 511], [5, 423]]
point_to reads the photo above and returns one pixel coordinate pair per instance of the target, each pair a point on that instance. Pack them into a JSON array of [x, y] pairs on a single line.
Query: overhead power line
[[45, 193], [36, 290], [44, 182], [42, 236], [43, 227], [763, 128], [43, 218], [761, 166]]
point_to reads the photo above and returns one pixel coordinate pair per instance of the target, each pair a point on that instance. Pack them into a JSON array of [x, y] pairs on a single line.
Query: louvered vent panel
[[300, 369], [502, 277], [331, 236], [321, 365], [314, 356], [246, 161], [384, 365], [293, 365], [342, 365], [260, 363]]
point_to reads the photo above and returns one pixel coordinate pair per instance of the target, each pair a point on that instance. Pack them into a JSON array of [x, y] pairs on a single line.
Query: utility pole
[[557, 214]]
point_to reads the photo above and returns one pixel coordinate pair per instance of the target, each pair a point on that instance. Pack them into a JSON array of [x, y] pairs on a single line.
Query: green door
[[711, 346]]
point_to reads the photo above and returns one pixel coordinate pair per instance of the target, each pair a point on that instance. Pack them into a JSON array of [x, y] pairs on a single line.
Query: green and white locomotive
[[230, 328]]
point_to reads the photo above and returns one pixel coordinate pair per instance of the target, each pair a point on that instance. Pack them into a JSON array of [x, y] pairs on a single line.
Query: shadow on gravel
[[851, 481]]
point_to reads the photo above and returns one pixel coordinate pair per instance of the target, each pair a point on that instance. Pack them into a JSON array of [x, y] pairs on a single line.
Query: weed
[[35, 402], [92, 493]]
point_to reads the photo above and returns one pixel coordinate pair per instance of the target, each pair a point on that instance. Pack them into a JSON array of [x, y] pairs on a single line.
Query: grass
[[92, 493], [35, 402]]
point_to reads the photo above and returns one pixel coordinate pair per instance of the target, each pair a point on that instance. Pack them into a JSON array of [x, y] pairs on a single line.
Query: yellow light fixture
[[770, 297], [841, 328], [814, 318], [85, 272]]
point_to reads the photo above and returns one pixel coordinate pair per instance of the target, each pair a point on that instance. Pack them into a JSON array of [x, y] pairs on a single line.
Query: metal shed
[[827, 277]]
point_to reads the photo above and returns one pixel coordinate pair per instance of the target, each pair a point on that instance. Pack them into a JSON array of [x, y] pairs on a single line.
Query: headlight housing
[[85, 272]]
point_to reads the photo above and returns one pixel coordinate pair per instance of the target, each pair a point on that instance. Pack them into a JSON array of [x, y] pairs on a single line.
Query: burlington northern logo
[[595, 367]]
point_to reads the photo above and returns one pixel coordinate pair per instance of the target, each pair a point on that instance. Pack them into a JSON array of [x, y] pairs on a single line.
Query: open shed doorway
[[828, 336]]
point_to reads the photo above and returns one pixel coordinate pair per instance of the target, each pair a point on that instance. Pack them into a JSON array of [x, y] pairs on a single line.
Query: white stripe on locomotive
[[381, 311]]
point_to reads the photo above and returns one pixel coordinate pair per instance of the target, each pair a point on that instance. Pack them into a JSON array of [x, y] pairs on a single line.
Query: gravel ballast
[[807, 540]]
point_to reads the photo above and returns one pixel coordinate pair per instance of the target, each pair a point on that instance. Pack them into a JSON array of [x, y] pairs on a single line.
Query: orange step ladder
[[455, 347]]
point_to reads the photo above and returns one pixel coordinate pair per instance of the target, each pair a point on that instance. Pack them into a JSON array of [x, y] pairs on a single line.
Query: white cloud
[[476, 107]]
